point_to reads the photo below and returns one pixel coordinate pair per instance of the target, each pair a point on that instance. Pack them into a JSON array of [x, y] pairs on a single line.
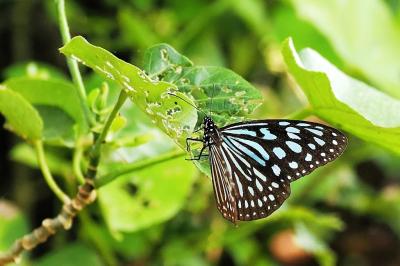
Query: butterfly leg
[[198, 157], [191, 139]]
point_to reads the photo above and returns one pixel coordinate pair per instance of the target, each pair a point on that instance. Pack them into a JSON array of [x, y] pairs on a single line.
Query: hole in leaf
[[146, 203], [131, 188]]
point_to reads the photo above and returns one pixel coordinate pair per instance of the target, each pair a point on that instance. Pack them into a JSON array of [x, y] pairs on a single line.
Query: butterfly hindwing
[[255, 161]]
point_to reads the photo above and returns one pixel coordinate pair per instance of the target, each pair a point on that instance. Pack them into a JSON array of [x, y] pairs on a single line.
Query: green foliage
[[345, 101], [73, 254], [222, 57], [21, 117], [136, 201], [371, 52], [149, 95]]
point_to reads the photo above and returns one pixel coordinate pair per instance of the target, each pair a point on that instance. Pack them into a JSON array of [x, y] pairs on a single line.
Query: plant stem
[[76, 163], [95, 152], [105, 179], [47, 174], [301, 114], [73, 64]]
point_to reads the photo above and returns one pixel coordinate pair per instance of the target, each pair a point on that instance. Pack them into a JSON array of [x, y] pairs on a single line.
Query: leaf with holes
[[218, 90], [174, 117]]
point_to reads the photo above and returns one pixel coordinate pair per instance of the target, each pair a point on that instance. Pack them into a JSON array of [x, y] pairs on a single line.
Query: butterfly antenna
[[212, 97], [187, 103]]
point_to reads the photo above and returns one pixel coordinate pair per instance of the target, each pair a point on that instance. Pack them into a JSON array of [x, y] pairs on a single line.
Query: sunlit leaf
[[175, 118], [344, 101], [375, 51]]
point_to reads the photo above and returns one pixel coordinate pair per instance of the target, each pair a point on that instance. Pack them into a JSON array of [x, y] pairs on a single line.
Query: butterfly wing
[[262, 157], [222, 183]]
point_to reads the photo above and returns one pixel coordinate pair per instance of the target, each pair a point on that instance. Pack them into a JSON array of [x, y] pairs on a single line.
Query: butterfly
[[254, 162]]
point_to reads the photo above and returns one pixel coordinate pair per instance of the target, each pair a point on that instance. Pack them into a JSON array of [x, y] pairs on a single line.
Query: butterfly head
[[209, 125]]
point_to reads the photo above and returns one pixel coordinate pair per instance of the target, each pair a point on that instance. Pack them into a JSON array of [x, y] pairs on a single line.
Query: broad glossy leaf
[[344, 101], [173, 116], [142, 199], [363, 32], [20, 115]]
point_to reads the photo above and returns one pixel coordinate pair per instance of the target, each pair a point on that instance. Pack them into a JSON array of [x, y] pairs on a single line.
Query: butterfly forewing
[[254, 162]]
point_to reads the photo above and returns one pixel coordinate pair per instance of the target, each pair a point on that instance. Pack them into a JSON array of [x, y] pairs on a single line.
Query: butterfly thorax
[[211, 132]]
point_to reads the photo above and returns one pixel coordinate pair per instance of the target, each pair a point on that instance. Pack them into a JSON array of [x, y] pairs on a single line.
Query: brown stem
[[86, 195]]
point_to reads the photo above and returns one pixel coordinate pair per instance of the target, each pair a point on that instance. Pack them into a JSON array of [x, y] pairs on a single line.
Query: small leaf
[[173, 116], [344, 101], [20, 115], [51, 92], [148, 197]]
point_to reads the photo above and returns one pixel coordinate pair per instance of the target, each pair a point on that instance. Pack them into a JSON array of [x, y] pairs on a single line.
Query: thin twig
[[47, 174], [86, 195], [73, 64]]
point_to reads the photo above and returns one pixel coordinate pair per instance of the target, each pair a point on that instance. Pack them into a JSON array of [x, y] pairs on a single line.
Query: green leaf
[[148, 197], [58, 126], [56, 93], [172, 115], [70, 255], [214, 89], [162, 58], [373, 52], [344, 101], [20, 115]]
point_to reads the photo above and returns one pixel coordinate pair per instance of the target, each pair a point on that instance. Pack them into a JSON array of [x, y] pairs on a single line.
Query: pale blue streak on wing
[[241, 132], [294, 146], [279, 152], [292, 130], [267, 134], [315, 131], [248, 152], [256, 146]]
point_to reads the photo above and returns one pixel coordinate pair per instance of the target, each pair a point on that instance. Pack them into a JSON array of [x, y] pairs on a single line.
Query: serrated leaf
[[373, 52], [174, 117], [20, 115], [148, 197], [344, 101]]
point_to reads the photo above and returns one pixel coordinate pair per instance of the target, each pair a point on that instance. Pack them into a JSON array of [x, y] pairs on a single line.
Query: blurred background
[[347, 213]]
